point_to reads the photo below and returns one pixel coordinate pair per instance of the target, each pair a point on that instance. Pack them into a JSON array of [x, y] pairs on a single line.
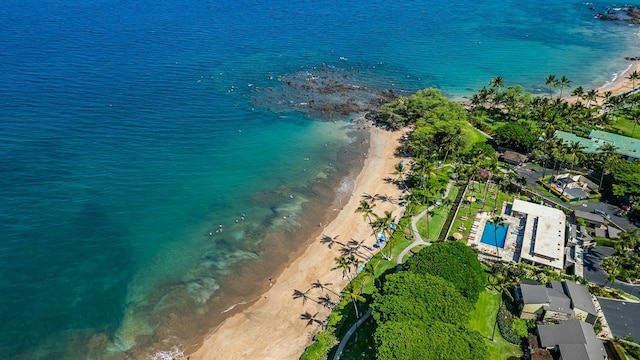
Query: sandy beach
[[618, 85], [271, 328], [621, 84]]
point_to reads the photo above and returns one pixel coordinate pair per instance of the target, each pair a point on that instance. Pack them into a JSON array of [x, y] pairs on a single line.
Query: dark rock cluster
[[324, 93], [628, 14]]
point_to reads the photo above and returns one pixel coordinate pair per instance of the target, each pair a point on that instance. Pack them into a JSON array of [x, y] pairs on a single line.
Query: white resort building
[[544, 233], [531, 233]]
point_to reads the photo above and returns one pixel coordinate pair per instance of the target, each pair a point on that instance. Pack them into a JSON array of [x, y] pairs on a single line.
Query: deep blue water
[[491, 235], [129, 130]]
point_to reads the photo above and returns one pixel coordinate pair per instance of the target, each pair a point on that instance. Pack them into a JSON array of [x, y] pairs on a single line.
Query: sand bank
[[618, 85], [271, 328]]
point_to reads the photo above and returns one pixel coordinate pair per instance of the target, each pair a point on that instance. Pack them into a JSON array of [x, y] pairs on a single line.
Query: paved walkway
[[417, 240]]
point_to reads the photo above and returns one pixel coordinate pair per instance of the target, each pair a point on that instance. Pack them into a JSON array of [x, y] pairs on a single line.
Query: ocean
[[157, 159]]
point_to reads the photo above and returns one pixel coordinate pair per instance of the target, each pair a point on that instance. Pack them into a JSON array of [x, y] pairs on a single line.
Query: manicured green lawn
[[626, 127], [482, 320], [475, 136], [437, 218]]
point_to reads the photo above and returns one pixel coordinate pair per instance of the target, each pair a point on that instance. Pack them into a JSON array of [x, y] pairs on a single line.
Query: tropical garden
[[442, 297]]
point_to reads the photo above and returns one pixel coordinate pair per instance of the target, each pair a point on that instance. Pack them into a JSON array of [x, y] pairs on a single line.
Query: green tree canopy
[[399, 340], [626, 179], [410, 296], [454, 262], [515, 136]]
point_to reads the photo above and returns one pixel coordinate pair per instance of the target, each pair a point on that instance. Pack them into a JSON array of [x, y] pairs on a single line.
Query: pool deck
[[512, 242]]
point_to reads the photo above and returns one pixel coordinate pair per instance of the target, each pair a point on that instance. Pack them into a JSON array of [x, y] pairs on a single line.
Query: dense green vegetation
[[624, 264], [454, 262], [420, 312], [408, 296], [426, 307], [418, 340]]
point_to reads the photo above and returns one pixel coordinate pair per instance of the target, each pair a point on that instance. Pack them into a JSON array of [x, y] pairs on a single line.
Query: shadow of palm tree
[[385, 198], [297, 294], [369, 197], [330, 241], [310, 319]]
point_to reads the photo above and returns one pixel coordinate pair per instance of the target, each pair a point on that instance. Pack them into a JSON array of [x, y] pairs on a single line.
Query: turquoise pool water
[[490, 235]]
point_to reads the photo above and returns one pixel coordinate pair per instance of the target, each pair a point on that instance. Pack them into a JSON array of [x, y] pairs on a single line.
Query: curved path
[[417, 240]]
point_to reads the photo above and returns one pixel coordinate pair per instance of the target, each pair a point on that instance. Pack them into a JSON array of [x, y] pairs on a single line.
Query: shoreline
[[263, 330], [270, 327], [620, 84]]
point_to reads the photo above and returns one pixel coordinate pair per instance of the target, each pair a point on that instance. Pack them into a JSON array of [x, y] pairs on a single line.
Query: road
[[531, 175], [593, 270]]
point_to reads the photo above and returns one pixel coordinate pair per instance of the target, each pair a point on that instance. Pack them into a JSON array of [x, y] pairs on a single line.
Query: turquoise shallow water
[[129, 131]]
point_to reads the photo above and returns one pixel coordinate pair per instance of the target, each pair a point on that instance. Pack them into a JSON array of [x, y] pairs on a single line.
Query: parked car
[[602, 213]]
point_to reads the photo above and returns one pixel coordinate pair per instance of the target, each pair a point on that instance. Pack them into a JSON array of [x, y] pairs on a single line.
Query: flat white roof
[[544, 233]]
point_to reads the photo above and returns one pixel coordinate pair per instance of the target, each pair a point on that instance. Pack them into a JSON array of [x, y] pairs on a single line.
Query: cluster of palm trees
[[592, 108], [623, 264], [552, 82], [380, 224], [550, 148]]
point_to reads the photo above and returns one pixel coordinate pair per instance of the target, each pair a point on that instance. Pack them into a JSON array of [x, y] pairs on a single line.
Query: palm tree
[[497, 221], [426, 169], [591, 95], [369, 271], [366, 209], [297, 294], [578, 92], [330, 241], [635, 75], [575, 148], [635, 118], [629, 238], [611, 275], [607, 150], [497, 82], [355, 297], [400, 169], [501, 283], [310, 319], [490, 166], [342, 264], [353, 261], [564, 83], [551, 81], [323, 286]]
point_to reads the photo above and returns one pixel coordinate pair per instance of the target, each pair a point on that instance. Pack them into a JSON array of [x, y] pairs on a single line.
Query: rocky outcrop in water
[[326, 93], [628, 14]]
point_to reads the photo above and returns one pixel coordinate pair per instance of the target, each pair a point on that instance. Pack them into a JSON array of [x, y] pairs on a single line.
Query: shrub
[[319, 350], [519, 327], [602, 241], [505, 320]]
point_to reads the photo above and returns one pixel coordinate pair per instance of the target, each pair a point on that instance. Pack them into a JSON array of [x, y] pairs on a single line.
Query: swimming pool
[[490, 236]]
